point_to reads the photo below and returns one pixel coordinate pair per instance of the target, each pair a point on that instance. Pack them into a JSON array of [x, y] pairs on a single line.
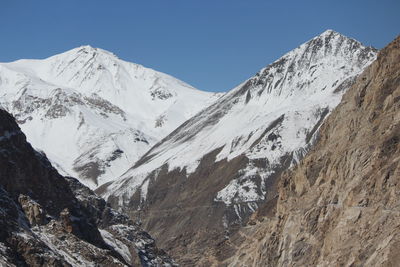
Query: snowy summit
[[92, 113]]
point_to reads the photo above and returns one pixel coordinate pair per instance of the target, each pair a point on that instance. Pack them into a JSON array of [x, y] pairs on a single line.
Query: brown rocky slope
[[341, 205]]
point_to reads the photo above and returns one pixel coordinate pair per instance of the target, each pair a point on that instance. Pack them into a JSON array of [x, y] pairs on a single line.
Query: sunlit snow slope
[[93, 114], [271, 117]]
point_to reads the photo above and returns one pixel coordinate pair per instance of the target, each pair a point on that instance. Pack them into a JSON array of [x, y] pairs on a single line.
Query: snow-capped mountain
[[223, 162], [92, 113], [340, 206]]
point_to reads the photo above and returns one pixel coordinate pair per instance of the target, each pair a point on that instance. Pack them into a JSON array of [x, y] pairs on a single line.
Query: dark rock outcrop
[[50, 220]]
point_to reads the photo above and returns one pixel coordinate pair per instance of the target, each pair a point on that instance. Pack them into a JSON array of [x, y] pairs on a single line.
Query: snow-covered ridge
[[92, 113], [272, 116]]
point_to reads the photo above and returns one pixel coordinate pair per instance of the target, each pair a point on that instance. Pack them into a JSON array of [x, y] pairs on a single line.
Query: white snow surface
[[301, 88], [92, 113], [119, 246]]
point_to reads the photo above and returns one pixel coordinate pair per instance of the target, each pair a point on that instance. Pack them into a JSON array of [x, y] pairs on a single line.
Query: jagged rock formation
[[49, 220], [340, 206], [92, 113], [199, 184]]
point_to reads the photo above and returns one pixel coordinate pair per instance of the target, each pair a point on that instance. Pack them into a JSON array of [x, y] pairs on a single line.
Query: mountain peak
[[301, 67], [329, 32], [88, 47], [330, 36], [90, 50]]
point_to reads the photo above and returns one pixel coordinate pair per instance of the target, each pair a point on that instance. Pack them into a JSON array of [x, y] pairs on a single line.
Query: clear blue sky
[[211, 44]]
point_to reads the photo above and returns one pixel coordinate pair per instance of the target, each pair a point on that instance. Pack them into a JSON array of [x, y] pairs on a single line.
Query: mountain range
[[297, 165], [210, 174]]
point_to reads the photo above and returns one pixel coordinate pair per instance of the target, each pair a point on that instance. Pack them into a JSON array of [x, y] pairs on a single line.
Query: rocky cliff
[[50, 220], [340, 206]]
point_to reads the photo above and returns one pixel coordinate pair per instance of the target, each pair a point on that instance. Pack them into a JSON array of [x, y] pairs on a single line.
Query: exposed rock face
[[50, 220], [33, 210], [201, 183], [340, 206]]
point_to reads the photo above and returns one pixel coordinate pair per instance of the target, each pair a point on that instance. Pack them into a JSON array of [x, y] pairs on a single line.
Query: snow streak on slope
[[272, 117], [92, 113]]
